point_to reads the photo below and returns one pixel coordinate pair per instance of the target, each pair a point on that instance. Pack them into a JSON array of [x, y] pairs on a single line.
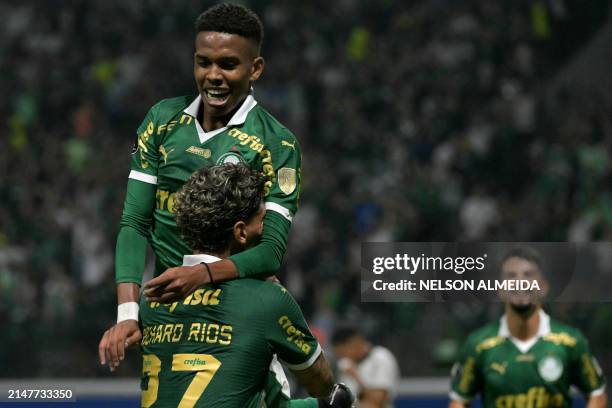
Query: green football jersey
[[214, 348], [509, 373], [172, 145]]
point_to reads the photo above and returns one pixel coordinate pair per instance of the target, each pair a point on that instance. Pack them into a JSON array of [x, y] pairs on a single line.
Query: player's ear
[[240, 233], [257, 68]]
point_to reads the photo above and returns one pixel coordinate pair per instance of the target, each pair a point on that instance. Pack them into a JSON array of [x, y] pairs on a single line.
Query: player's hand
[[340, 397], [111, 349], [175, 284]]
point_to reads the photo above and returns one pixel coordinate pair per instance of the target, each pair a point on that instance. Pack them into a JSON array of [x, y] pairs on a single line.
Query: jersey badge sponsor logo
[[294, 335], [230, 157], [535, 397], [286, 143], [490, 343], [499, 368], [165, 153], [244, 139], [550, 368], [142, 144], [592, 371], [525, 358], [561, 339], [467, 375], [205, 153], [287, 180]]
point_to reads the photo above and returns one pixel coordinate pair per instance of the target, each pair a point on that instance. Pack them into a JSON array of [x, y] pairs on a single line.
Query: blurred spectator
[[371, 372]]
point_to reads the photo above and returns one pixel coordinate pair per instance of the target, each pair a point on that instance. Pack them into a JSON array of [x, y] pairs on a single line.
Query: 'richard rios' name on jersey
[[532, 374], [214, 348], [172, 145]]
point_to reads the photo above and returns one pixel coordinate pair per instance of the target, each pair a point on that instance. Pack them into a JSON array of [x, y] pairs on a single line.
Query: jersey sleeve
[[282, 162], [265, 258], [586, 373], [466, 376], [283, 190], [287, 332], [277, 393], [134, 229], [145, 157]]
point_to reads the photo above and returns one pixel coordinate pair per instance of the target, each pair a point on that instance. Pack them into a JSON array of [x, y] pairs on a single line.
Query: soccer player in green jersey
[[214, 348], [526, 359], [223, 124]]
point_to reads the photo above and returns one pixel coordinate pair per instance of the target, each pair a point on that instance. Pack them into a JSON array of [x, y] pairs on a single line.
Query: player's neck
[[210, 123], [523, 326]]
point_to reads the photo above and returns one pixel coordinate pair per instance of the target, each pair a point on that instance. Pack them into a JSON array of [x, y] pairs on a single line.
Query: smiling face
[[225, 65]]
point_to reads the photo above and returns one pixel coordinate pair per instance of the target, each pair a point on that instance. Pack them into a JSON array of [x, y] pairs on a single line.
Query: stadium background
[[419, 121]]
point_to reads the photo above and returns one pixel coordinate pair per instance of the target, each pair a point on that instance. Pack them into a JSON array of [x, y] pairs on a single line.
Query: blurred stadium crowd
[[419, 121]]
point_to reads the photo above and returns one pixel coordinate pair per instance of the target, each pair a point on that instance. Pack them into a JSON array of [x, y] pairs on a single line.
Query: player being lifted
[[214, 348], [526, 359], [223, 124]]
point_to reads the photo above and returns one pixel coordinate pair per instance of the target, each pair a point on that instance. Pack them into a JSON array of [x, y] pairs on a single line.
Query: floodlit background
[[431, 120]]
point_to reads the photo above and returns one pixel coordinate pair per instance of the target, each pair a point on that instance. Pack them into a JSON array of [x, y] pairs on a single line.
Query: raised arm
[[282, 166]]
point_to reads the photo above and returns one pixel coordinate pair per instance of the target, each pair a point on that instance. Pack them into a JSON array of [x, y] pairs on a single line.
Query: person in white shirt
[[371, 372]]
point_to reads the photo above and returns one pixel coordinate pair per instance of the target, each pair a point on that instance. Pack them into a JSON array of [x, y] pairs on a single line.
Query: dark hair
[[344, 332], [232, 19], [526, 253], [213, 200]]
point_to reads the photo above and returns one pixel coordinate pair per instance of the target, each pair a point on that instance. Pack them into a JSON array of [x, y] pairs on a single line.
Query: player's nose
[[214, 75]]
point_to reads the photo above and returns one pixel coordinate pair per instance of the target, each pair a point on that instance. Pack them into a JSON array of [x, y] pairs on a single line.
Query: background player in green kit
[[223, 124], [526, 359], [214, 348]]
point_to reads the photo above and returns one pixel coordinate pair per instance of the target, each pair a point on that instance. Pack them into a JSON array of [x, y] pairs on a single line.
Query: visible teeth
[[216, 93]]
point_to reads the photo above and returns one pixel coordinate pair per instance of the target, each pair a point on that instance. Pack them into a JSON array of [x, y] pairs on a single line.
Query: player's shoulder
[[265, 293], [563, 334], [274, 292], [168, 108], [383, 354], [268, 126], [484, 338]]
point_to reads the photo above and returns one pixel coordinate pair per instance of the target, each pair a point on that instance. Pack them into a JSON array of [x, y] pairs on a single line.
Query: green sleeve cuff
[[131, 249], [265, 258]]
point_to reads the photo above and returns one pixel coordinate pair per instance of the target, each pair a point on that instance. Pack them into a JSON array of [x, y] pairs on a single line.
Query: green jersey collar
[[190, 260], [238, 119]]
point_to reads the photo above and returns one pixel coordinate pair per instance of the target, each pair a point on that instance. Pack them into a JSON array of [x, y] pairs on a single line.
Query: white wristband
[[127, 311]]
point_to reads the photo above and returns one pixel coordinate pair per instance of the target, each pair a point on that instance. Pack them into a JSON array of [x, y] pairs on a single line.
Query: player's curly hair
[[232, 19], [213, 200]]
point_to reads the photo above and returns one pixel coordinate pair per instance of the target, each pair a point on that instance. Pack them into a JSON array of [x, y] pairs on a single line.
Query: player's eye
[[204, 63], [228, 64]]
